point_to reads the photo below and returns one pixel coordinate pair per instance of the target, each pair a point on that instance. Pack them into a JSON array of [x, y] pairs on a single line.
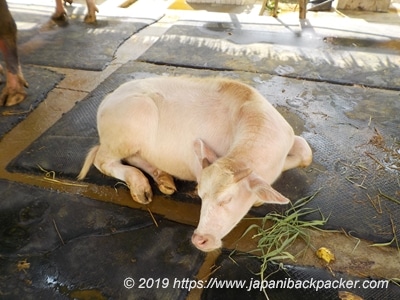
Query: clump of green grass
[[274, 240]]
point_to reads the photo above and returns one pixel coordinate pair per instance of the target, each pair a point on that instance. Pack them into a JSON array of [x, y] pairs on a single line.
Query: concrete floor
[[78, 83]]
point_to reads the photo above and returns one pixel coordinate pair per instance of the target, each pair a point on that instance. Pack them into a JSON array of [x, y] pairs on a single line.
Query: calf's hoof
[[166, 184], [143, 198], [167, 189], [12, 98], [90, 19], [60, 19]]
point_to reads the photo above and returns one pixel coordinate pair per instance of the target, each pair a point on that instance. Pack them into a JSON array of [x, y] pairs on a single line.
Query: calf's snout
[[205, 242]]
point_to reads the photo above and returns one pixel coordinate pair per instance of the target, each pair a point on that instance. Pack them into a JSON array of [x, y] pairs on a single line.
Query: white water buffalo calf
[[219, 132]]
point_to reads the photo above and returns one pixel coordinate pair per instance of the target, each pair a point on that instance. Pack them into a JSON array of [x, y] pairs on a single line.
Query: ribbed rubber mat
[[236, 277], [55, 246], [279, 49], [77, 45]]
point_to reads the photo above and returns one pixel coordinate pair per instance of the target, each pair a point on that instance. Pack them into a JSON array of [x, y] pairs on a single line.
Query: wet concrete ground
[[354, 256]]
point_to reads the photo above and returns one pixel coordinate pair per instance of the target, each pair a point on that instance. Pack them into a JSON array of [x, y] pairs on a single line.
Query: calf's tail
[[88, 162]]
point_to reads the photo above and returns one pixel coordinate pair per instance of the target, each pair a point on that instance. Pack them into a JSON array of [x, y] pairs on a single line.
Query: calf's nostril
[[199, 240], [202, 241]]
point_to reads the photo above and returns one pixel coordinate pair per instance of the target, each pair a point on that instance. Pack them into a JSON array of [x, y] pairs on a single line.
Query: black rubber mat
[[355, 167], [279, 49], [40, 81], [77, 45], [58, 246], [241, 272]]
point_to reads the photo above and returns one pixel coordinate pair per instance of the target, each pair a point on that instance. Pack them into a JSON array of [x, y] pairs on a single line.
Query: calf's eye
[[224, 201]]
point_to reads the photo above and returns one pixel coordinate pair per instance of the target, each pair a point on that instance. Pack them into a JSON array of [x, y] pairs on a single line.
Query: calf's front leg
[[164, 181], [136, 181]]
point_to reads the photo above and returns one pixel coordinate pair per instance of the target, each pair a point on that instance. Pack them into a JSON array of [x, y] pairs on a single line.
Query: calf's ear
[[205, 155], [265, 193]]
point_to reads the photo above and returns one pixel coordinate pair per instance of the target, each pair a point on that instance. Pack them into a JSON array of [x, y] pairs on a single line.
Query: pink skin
[[220, 215], [230, 206]]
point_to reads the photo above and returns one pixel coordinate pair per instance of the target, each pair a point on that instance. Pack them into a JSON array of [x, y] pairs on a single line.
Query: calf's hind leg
[[112, 166], [300, 155]]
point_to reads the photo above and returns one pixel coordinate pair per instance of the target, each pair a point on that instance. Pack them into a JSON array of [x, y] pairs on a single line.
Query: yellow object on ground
[[325, 254], [180, 4]]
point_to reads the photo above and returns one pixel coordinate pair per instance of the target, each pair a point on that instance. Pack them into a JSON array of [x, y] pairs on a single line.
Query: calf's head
[[228, 190]]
